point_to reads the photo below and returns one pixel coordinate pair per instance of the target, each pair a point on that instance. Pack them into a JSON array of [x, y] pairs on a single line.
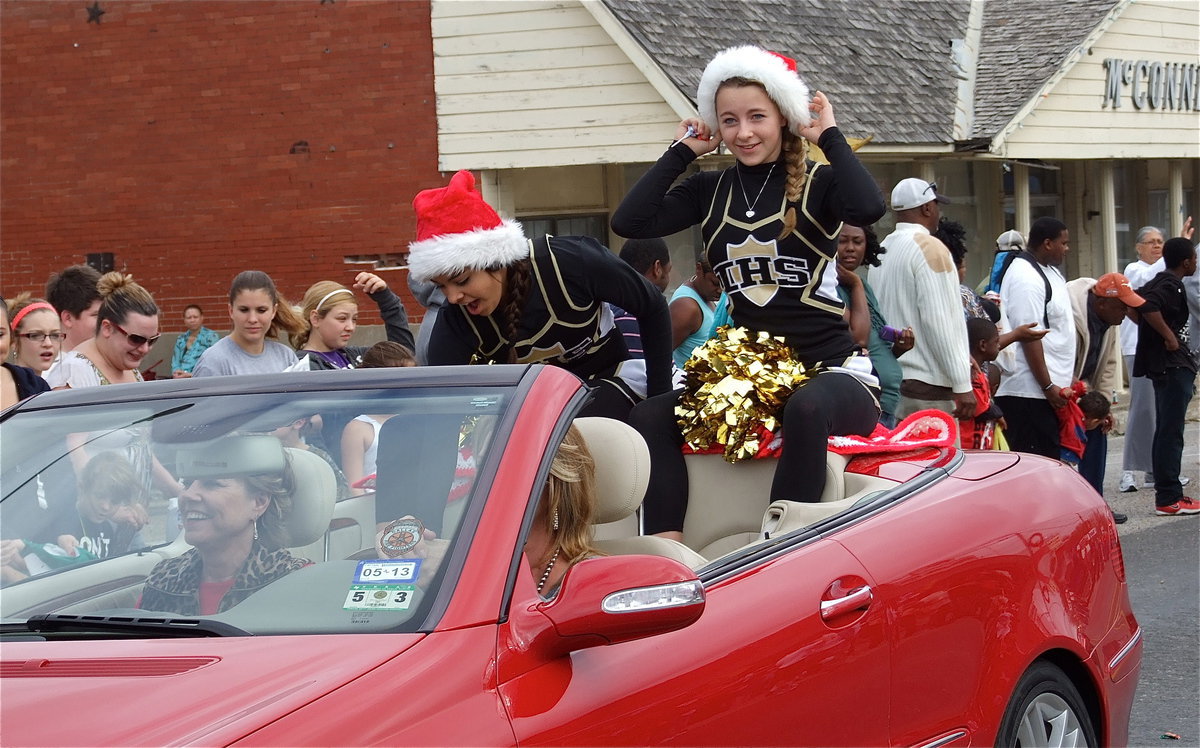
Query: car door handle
[[858, 599]]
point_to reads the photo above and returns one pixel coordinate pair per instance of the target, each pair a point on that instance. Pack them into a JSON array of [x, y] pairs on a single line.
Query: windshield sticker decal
[[380, 597], [387, 571]]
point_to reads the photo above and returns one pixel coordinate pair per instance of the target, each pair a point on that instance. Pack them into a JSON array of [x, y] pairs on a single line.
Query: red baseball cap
[[1116, 286]]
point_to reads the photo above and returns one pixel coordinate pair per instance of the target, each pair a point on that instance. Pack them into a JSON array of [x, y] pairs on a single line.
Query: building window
[[1044, 194], [1161, 210], [595, 226]]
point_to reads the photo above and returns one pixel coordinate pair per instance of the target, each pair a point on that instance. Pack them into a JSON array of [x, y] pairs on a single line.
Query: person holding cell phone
[[858, 245], [769, 223]]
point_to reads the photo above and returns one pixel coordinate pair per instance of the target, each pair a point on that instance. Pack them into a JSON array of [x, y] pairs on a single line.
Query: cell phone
[[889, 334]]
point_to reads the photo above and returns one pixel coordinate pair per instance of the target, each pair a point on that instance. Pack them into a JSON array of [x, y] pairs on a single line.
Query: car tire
[[1046, 709]]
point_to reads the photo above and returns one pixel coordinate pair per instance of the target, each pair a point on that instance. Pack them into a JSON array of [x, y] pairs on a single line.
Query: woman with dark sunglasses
[[126, 328]]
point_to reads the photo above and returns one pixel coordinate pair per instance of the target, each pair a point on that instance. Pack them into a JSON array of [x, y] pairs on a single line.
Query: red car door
[[791, 651], [956, 575]]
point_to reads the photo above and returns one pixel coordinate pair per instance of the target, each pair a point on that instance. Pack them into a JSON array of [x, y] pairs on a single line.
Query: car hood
[[174, 691]]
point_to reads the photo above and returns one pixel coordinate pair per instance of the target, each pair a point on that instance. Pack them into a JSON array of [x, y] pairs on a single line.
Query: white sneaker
[[1127, 482]]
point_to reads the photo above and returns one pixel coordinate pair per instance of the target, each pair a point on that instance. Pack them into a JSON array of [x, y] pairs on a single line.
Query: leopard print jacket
[[174, 584]]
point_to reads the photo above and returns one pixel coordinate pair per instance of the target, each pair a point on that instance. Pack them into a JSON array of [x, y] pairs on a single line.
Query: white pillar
[[1108, 218], [1021, 197], [1175, 206]]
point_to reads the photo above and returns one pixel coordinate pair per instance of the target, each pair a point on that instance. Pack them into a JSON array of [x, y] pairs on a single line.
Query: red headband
[[27, 309]]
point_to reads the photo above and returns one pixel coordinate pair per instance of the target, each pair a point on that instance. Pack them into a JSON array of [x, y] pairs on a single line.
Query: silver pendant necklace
[[750, 205]]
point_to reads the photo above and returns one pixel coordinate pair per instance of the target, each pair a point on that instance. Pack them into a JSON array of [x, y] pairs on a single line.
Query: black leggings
[[830, 404], [608, 400]]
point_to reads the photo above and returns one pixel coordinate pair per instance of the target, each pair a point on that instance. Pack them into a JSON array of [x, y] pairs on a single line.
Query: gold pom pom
[[737, 383]]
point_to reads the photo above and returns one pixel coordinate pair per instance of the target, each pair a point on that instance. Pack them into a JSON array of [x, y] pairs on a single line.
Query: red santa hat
[[776, 73], [457, 231]]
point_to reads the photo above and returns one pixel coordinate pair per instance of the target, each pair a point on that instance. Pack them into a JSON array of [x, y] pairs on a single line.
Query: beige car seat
[[727, 502], [622, 473], [313, 497]]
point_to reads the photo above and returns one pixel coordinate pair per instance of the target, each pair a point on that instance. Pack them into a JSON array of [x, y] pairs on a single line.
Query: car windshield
[[266, 513]]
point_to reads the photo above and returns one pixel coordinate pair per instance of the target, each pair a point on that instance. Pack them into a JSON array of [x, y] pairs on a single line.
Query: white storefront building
[[1088, 110]]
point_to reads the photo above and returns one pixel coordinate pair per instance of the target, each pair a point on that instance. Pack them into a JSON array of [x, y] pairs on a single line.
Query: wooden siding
[[1073, 121], [529, 84]]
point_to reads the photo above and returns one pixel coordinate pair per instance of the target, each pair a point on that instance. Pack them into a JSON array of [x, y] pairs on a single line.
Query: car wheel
[[1046, 710]]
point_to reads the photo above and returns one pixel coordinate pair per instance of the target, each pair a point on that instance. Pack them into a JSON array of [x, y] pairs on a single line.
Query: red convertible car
[[932, 598]]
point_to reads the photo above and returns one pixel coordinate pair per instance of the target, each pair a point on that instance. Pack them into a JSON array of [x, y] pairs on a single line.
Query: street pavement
[[1162, 561]]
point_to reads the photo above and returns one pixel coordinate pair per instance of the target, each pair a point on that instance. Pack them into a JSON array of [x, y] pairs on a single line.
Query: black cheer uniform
[[566, 323], [786, 287]]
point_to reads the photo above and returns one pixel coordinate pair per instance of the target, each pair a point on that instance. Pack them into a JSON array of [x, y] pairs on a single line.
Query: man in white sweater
[[1030, 392], [917, 286]]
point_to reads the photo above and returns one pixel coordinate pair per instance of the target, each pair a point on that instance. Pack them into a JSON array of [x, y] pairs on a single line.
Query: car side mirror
[[612, 599]]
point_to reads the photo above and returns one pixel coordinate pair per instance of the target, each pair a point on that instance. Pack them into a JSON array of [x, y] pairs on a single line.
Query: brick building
[[186, 141]]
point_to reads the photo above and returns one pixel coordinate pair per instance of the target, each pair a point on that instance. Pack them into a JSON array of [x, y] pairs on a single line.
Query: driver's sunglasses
[[137, 340], [932, 188]]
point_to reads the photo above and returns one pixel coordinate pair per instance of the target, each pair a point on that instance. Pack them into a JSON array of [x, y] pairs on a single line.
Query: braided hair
[[795, 155], [516, 289]]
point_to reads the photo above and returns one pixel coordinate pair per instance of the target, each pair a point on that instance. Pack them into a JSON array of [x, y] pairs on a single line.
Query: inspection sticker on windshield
[[387, 571], [380, 597]]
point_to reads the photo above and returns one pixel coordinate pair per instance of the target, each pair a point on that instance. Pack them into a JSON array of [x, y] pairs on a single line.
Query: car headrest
[[622, 466], [312, 498]]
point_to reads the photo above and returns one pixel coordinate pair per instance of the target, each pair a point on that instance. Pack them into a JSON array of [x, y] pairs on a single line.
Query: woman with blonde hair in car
[[561, 534], [562, 528]]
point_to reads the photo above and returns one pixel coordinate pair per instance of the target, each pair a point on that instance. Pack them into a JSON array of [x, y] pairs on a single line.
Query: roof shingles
[[887, 65]]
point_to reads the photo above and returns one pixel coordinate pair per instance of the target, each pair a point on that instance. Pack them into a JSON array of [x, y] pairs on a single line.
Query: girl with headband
[[330, 313], [37, 334], [515, 300], [770, 225]]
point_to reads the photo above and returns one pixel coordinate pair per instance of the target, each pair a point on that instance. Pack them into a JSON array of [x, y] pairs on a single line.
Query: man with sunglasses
[[917, 286]]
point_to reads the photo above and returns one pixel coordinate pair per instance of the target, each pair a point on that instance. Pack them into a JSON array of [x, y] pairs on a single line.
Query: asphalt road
[[1162, 561]]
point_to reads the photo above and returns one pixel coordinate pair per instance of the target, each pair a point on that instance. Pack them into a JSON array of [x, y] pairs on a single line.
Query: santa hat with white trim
[[776, 73], [457, 231]]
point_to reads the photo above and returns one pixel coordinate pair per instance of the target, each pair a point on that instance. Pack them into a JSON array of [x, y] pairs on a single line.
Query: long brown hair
[[286, 318]]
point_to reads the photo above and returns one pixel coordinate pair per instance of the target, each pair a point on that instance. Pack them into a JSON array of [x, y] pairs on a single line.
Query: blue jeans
[[1095, 459], [1172, 393]]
